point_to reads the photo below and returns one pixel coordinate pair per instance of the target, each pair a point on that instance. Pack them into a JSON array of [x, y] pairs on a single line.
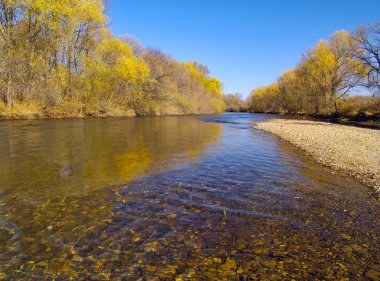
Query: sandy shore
[[351, 150]]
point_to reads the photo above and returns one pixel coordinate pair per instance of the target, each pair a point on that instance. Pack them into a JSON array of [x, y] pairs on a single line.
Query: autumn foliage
[[325, 77], [58, 59]]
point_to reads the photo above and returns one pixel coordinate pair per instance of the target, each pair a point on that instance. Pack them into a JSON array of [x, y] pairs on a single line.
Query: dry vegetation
[[235, 103], [326, 75], [58, 59]]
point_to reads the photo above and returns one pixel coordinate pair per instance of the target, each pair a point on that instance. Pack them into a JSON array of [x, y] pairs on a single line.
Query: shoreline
[[31, 118], [360, 120], [350, 150]]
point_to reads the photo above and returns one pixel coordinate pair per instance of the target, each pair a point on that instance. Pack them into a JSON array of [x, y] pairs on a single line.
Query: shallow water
[[197, 198]]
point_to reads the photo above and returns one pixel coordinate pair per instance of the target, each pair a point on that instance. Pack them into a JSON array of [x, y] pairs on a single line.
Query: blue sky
[[244, 43]]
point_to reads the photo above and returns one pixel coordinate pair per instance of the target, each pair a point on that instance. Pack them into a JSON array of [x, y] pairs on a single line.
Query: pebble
[[351, 150]]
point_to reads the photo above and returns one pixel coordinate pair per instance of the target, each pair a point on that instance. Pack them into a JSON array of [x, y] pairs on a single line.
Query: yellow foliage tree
[[59, 59], [325, 75], [114, 74]]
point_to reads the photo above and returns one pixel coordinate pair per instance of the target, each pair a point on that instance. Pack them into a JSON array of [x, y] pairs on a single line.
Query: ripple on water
[[176, 197]]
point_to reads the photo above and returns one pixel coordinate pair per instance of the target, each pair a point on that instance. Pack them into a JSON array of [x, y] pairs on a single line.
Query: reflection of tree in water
[[133, 162], [59, 179], [112, 207]]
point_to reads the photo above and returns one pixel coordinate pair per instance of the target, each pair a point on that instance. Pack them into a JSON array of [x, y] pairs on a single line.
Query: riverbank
[[26, 113], [351, 150], [360, 120]]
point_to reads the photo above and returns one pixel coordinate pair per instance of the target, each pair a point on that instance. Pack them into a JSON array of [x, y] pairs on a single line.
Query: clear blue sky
[[245, 43]]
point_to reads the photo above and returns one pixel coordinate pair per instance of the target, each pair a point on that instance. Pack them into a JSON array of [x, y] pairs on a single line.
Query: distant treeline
[[58, 58], [235, 103], [326, 75]]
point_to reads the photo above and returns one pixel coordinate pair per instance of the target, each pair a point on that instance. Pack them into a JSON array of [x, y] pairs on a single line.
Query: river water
[[176, 198]]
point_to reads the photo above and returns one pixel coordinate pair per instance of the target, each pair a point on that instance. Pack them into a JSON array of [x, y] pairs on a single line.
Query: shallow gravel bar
[[351, 150]]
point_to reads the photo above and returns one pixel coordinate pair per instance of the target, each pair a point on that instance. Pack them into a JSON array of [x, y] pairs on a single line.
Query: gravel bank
[[354, 151]]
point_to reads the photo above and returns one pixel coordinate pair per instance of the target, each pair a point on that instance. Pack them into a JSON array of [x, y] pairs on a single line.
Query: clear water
[[186, 198]]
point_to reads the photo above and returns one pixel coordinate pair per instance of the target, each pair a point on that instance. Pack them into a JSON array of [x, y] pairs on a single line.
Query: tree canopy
[[326, 74], [58, 58]]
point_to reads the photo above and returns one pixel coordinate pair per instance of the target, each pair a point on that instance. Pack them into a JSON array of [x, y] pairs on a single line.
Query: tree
[[266, 99], [367, 50], [291, 91], [332, 69], [113, 73], [235, 102], [57, 58], [325, 75], [39, 37], [11, 15]]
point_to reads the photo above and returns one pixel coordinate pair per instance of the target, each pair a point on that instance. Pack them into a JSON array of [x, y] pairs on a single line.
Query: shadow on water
[[197, 198]]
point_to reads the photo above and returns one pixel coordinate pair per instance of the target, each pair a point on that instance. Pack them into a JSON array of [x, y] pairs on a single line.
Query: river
[[176, 198]]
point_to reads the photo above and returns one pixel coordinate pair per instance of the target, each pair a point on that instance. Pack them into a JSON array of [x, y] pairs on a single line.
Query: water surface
[[197, 198]]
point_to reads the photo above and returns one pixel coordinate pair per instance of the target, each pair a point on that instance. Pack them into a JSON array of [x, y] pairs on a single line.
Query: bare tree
[[135, 44], [367, 50]]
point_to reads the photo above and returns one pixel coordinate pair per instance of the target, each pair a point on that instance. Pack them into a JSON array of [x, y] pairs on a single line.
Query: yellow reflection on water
[[133, 162], [58, 180]]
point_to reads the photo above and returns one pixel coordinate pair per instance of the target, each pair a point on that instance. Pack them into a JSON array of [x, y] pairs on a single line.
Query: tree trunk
[[9, 95], [316, 104], [333, 102]]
